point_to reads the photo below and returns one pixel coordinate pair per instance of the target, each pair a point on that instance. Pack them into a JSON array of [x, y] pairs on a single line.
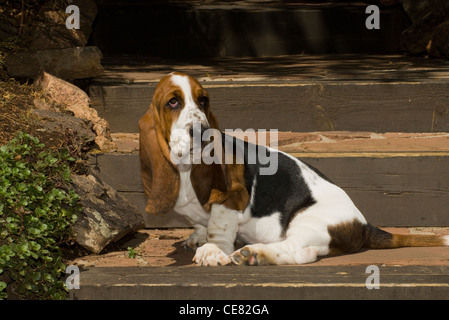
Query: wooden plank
[[307, 155], [168, 220], [389, 175], [260, 284], [397, 174], [299, 107], [402, 209], [394, 191], [379, 208], [119, 170]]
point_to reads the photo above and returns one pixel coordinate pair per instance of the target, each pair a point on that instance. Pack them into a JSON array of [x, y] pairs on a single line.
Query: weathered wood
[[390, 191], [295, 106], [392, 175], [168, 220], [120, 170], [259, 283]]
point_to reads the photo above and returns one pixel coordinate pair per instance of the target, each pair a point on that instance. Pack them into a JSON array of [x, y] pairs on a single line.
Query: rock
[[57, 37], [106, 217], [439, 44], [72, 98], [415, 38], [88, 12], [416, 10], [58, 125], [426, 15], [69, 63], [50, 31]]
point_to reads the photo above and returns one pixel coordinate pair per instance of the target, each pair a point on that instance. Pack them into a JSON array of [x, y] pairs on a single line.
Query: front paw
[[211, 255]]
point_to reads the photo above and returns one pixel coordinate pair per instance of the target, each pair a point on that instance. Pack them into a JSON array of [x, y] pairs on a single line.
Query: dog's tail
[[376, 238]]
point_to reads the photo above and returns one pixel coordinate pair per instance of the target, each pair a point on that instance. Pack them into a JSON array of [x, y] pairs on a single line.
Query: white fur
[[188, 204], [222, 227], [221, 233], [211, 255], [282, 252], [263, 230], [180, 140]]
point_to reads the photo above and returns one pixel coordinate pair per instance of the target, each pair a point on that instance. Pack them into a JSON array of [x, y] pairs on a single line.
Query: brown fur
[[236, 197], [416, 240], [351, 236], [220, 183], [160, 176]]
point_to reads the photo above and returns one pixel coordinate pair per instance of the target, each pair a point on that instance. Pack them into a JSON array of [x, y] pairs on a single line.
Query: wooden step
[[259, 284], [396, 179], [293, 93]]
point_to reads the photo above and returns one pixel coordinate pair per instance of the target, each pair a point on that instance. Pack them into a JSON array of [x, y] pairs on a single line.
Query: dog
[[291, 216]]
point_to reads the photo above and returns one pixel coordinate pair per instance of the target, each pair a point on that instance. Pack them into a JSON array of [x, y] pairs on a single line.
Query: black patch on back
[[285, 191]]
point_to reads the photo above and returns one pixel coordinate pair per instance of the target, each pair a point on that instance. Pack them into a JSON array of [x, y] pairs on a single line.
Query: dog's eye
[[203, 101], [173, 103]]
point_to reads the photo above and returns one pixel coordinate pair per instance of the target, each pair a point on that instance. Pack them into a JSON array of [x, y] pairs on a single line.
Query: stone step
[[196, 29], [261, 283], [293, 93], [396, 179]]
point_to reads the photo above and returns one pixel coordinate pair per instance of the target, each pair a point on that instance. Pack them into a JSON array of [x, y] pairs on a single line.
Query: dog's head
[[179, 105]]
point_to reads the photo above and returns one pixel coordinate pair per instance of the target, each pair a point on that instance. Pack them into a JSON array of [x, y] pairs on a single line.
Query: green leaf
[[3, 294], [35, 215]]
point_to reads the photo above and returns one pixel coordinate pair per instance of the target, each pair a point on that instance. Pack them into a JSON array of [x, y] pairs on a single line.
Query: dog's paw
[[210, 255], [246, 256], [253, 255], [260, 254]]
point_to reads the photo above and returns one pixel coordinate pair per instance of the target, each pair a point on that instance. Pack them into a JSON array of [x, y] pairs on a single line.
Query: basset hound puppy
[[290, 216]]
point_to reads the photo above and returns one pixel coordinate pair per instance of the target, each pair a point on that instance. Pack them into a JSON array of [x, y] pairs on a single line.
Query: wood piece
[[390, 191], [300, 107]]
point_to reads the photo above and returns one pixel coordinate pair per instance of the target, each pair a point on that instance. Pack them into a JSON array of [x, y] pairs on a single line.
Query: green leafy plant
[[132, 252], [37, 208]]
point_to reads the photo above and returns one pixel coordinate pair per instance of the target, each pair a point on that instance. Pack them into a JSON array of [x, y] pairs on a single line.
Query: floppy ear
[[160, 176], [206, 177], [220, 182]]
